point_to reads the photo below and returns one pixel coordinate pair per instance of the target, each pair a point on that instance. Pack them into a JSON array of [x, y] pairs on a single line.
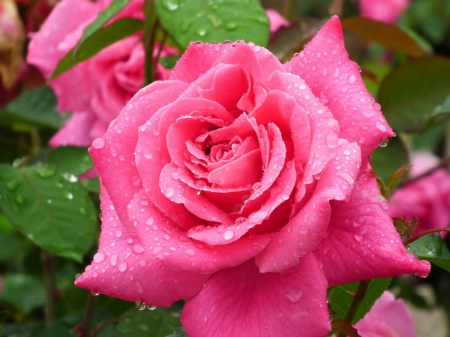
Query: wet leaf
[[70, 159], [432, 248], [388, 159]]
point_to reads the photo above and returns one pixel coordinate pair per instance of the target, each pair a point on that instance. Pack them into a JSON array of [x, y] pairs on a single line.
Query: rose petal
[[242, 302], [306, 229], [163, 239], [123, 262], [362, 243], [338, 82], [76, 131], [113, 154]]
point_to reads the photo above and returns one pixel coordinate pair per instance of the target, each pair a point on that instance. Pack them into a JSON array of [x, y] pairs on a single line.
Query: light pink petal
[[386, 11], [327, 70], [362, 242], [113, 154], [307, 228], [76, 131], [123, 264], [223, 235], [163, 239], [276, 20], [422, 162], [242, 302], [388, 317]]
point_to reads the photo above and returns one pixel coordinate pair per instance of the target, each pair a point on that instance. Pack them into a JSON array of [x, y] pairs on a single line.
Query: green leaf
[[35, 107], [22, 329], [51, 209], [397, 175], [92, 185], [432, 248], [146, 323], [387, 160], [70, 159], [289, 40], [389, 36], [341, 298], [169, 61], [97, 41], [214, 21], [178, 333], [24, 292], [412, 91]]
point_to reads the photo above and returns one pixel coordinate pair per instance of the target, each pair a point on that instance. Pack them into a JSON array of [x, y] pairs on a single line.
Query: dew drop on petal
[[138, 249], [99, 257], [98, 143], [122, 266], [228, 235]]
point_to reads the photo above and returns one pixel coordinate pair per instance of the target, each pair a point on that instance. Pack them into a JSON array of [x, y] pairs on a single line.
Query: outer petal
[[388, 317], [386, 11], [242, 302], [113, 154], [362, 243], [76, 131], [327, 70], [306, 229], [122, 266]]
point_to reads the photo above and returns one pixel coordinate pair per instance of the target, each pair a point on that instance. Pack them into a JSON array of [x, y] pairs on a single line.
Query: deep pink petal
[[387, 317], [387, 11], [76, 131], [124, 261], [113, 154], [362, 243], [163, 239], [327, 70], [306, 229], [242, 302]]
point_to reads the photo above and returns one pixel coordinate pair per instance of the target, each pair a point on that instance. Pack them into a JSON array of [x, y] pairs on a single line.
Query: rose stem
[[431, 231], [158, 54], [102, 325], [150, 25], [359, 296], [287, 9], [50, 287], [88, 316]]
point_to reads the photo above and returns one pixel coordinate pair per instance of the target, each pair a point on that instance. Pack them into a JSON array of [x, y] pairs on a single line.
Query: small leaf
[[389, 36], [96, 42], [145, 323], [386, 160], [411, 92], [70, 159], [397, 175], [92, 185], [341, 298], [35, 107], [401, 225], [24, 292], [214, 21], [345, 327], [51, 209], [431, 248], [178, 333]]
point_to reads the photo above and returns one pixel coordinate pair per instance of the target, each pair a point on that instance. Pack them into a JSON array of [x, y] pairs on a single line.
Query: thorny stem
[[50, 287], [150, 26], [431, 231], [359, 296], [102, 325], [88, 316], [158, 54]]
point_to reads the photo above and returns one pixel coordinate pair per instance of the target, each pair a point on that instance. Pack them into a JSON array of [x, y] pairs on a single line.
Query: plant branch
[[431, 231], [102, 325], [150, 26], [359, 296], [50, 287], [88, 316]]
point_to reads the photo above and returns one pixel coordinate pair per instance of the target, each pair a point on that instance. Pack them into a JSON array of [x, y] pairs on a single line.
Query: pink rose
[[387, 11], [428, 198], [95, 90], [243, 185], [276, 21], [387, 318]]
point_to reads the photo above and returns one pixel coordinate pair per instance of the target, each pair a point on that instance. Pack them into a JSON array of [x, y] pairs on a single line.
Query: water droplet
[[384, 142], [99, 257], [95, 293], [77, 276], [303, 230], [381, 126], [294, 295], [351, 79], [68, 195], [140, 305], [148, 154], [175, 175], [45, 172], [231, 25], [149, 221], [344, 89], [113, 151], [151, 307], [228, 235], [122, 266], [171, 5], [12, 185], [201, 32], [138, 249], [118, 233], [19, 199], [168, 191], [190, 252], [113, 260], [98, 143]]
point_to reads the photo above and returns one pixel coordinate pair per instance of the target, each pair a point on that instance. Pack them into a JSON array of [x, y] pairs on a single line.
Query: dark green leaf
[[97, 41], [10, 244], [53, 210], [178, 333], [169, 61], [345, 327], [431, 248], [411, 92], [214, 21], [24, 292], [387, 160], [289, 40], [389, 36], [22, 329], [146, 323], [35, 107], [397, 175], [92, 185], [341, 298], [71, 159]]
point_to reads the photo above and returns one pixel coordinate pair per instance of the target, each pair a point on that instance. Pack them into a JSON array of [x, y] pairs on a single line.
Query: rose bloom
[[387, 11], [97, 89], [243, 186], [387, 318], [427, 198], [276, 21]]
